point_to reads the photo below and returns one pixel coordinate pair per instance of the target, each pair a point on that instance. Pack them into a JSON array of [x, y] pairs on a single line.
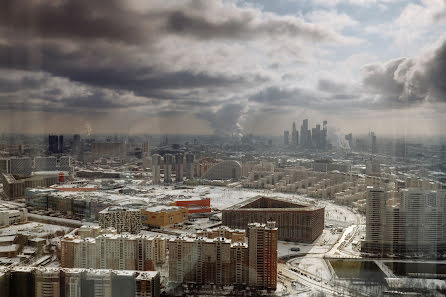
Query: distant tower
[[168, 162], [286, 137], [53, 144], [179, 159], [60, 148], [324, 135], [156, 163], [304, 133], [373, 148], [190, 165]]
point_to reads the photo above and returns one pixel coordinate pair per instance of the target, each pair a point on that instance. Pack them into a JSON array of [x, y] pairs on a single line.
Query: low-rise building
[[160, 216]]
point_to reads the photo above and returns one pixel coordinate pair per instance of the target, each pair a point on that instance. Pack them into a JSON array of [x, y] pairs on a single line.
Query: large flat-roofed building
[[15, 188], [295, 222], [159, 216]]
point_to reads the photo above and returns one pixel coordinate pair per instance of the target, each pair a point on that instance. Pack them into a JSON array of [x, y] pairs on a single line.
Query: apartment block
[[295, 222], [222, 262], [113, 251], [122, 219], [55, 282]]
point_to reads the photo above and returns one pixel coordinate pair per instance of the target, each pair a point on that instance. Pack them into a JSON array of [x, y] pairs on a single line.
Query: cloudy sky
[[217, 66]]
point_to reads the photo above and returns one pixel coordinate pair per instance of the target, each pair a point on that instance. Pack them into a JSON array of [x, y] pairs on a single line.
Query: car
[[295, 249]]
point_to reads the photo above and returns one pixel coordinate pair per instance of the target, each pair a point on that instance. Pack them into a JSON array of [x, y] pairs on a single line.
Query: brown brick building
[[295, 222]]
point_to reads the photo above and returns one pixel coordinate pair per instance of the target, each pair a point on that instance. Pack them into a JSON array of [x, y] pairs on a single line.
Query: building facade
[[414, 226], [160, 216], [295, 222], [122, 219], [55, 282], [219, 261], [113, 251]]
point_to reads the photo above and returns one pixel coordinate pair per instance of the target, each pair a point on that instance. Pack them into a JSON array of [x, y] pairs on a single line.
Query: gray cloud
[[226, 120], [330, 86], [407, 81], [282, 96]]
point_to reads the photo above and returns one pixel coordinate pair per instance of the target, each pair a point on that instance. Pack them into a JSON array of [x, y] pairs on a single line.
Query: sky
[[222, 66]]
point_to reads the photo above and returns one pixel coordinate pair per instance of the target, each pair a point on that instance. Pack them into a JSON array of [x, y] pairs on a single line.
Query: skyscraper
[[190, 165], [168, 163], [286, 137], [262, 245], [53, 144], [156, 164], [179, 164], [304, 133]]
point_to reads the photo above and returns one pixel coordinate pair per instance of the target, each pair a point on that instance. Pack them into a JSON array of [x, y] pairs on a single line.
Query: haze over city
[[224, 67]]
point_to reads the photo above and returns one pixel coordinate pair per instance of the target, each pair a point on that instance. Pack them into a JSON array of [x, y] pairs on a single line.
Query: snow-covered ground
[[33, 229]]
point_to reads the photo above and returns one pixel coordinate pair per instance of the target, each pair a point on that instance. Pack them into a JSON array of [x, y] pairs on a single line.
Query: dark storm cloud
[[113, 20], [93, 69], [84, 19], [245, 26], [406, 81]]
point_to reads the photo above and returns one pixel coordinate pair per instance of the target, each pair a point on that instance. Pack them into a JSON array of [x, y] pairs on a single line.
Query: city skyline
[[223, 67]]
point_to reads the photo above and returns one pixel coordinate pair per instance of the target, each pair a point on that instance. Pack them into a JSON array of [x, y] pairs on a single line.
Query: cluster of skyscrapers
[[314, 138]]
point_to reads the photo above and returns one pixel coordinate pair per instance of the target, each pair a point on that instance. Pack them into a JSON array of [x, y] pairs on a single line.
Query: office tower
[[45, 164], [156, 165], [53, 144], [304, 133], [324, 134], [294, 141], [190, 165], [286, 137], [61, 145], [168, 163], [179, 164], [316, 136], [373, 147], [262, 245], [120, 218]]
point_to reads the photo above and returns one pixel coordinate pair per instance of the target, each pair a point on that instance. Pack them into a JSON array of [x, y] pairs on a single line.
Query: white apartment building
[[113, 251]]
